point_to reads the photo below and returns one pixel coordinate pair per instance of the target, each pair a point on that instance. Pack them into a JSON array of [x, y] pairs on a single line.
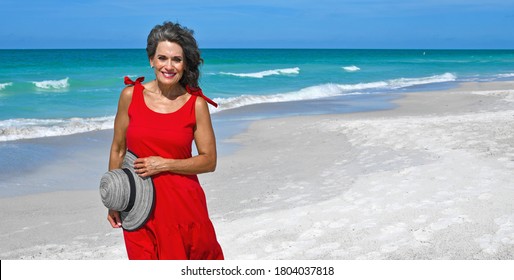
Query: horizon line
[[270, 48]]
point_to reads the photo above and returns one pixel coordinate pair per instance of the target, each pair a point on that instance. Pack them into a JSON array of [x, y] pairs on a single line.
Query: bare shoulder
[[125, 98], [127, 92], [201, 105], [202, 113]]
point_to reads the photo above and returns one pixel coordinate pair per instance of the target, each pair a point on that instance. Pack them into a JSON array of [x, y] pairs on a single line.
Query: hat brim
[[144, 200]]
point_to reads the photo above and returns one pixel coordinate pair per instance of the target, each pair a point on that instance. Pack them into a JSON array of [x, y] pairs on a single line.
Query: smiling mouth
[[168, 75]]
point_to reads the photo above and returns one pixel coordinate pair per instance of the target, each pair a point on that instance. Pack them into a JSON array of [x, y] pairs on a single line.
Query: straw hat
[[125, 191]]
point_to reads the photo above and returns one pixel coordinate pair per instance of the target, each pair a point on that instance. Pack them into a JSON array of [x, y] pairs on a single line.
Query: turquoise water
[[60, 92]]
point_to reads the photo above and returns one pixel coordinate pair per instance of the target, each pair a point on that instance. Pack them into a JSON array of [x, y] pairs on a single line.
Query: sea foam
[[4, 85], [352, 68], [329, 90], [262, 74], [53, 84], [507, 75], [14, 129], [309, 93], [408, 82]]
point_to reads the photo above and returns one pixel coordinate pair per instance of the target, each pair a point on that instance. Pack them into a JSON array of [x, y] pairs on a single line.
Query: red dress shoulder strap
[[197, 91]]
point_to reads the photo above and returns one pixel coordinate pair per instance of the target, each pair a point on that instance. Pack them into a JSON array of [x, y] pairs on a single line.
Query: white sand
[[431, 179]]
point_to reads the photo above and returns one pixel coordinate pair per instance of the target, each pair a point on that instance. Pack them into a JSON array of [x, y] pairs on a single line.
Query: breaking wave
[[262, 74], [4, 85], [53, 84], [329, 90], [352, 68], [14, 129]]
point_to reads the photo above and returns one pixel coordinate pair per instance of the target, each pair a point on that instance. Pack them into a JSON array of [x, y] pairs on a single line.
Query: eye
[[177, 59], [161, 58]]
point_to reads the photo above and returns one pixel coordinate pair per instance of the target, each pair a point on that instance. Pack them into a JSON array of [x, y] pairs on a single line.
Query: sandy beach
[[429, 179]]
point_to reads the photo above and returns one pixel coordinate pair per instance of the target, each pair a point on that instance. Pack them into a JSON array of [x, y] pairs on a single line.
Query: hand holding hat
[[124, 191]]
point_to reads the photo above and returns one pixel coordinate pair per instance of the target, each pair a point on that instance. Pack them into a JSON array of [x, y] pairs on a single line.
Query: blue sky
[[469, 24]]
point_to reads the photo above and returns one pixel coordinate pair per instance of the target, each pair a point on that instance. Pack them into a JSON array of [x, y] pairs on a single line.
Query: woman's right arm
[[119, 145], [121, 122]]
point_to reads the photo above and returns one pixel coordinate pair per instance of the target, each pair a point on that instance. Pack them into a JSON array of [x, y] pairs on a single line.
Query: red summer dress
[[179, 226]]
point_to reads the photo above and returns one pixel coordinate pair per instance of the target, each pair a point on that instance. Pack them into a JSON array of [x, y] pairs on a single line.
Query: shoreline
[[30, 165], [428, 179]]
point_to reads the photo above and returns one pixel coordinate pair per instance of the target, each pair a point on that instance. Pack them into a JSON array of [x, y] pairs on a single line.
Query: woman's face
[[168, 63]]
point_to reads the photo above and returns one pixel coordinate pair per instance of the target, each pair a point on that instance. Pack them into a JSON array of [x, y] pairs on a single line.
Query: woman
[[158, 121]]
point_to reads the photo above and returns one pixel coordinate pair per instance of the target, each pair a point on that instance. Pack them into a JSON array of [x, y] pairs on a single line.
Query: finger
[[139, 170], [114, 219], [117, 218], [140, 164], [113, 223]]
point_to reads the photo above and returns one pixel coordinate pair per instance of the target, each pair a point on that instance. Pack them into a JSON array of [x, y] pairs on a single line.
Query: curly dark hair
[[174, 32]]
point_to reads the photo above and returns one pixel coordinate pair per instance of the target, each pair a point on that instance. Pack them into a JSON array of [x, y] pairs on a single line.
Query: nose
[[168, 63]]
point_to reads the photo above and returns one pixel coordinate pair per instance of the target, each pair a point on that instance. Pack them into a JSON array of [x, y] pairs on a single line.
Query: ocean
[[45, 93], [60, 92]]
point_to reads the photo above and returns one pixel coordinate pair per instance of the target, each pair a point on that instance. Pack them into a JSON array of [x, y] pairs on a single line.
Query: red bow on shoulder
[[198, 92], [128, 81]]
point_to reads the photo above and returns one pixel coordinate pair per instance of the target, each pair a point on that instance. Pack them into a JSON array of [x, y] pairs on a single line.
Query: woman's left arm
[[205, 141]]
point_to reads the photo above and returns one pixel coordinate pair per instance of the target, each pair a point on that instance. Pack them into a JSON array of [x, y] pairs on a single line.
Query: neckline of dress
[[168, 113]]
